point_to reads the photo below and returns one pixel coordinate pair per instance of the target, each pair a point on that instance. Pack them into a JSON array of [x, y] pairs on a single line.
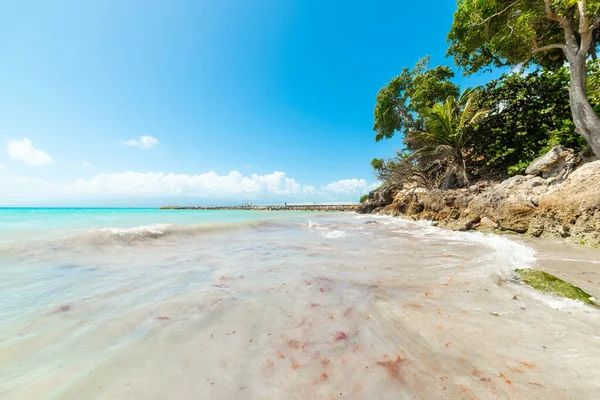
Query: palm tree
[[445, 137]]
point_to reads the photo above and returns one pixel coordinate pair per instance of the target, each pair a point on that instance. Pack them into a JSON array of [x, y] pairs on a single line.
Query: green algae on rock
[[545, 282]]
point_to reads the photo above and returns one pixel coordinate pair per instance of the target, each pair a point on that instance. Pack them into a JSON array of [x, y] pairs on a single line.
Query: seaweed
[[547, 283]]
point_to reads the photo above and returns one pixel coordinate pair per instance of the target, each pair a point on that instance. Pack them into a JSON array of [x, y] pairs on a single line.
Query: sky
[[143, 103]]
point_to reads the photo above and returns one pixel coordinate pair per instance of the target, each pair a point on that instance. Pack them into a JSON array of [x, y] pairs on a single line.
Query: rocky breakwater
[[553, 199], [324, 208]]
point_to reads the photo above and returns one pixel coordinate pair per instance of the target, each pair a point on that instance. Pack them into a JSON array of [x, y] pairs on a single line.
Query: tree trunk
[[463, 174], [585, 118]]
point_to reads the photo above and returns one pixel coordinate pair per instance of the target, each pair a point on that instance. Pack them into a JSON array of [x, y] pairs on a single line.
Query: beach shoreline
[[291, 207]]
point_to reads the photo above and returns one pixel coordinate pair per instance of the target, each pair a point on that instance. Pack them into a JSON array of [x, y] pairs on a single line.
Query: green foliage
[[377, 163], [545, 282], [502, 127], [593, 81], [514, 119], [400, 101], [529, 115], [364, 198], [495, 33], [447, 136]]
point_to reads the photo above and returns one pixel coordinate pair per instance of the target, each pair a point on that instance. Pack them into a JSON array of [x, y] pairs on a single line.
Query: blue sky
[[253, 86]]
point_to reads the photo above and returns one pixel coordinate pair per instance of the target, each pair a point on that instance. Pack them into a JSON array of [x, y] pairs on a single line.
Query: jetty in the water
[[289, 207]]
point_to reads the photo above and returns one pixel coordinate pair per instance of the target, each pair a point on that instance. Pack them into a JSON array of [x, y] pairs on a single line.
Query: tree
[[446, 137], [545, 32], [406, 170], [400, 101]]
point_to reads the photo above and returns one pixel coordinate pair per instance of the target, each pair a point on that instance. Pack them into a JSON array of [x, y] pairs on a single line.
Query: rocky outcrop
[[377, 200], [551, 201], [557, 162], [572, 208]]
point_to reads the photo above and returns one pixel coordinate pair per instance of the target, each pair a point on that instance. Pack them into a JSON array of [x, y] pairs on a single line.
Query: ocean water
[[150, 304]]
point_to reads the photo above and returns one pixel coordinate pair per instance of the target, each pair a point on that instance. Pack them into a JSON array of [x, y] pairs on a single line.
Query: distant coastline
[[319, 207]]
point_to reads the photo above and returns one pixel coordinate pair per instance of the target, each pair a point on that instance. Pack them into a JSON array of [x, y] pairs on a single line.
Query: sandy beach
[[314, 306]]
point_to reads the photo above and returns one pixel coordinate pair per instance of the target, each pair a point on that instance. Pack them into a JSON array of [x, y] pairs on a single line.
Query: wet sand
[[337, 307], [573, 263]]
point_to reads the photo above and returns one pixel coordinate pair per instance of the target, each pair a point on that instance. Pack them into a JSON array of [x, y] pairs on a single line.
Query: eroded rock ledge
[[552, 201]]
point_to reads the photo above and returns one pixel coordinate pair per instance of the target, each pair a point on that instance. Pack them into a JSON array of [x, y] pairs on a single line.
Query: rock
[[572, 208], [587, 155], [534, 182], [511, 182], [547, 283], [474, 189], [514, 215], [567, 207], [488, 223], [559, 161], [534, 200], [377, 199], [581, 189]]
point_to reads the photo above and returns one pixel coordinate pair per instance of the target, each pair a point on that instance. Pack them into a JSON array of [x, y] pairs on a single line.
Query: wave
[[117, 237], [329, 231], [137, 233], [504, 255], [157, 231]]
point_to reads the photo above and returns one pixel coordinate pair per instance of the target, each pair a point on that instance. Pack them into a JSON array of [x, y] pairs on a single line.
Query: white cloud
[[359, 186], [156, 188], [208, 185], [143, 141], [86, 164], [23, 150]]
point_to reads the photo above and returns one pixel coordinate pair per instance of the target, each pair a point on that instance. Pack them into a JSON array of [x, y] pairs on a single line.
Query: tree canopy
[[546, 32], [529, 114], [495, 33], [398, 103], [446, 136], [510, 121]]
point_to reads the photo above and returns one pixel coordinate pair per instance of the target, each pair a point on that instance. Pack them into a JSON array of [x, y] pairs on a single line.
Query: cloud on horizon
[[144, 141], [24, 151], [156, 188]]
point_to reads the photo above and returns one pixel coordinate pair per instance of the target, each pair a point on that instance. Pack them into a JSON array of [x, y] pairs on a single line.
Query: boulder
[[377, 199], [558, 162], [579, 192], [514, 214]]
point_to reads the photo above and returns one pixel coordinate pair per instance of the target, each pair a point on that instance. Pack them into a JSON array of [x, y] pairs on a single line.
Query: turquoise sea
[[27, 223], [170, 304]]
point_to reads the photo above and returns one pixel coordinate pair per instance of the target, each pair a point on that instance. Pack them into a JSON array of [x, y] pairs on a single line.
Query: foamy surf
[[136, 233], [306, 306]]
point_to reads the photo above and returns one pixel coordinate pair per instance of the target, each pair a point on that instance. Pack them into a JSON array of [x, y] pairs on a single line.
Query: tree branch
[[585, 30], [570, 38], [484, 21], [584, 22], [550, 14], [561, 46]]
